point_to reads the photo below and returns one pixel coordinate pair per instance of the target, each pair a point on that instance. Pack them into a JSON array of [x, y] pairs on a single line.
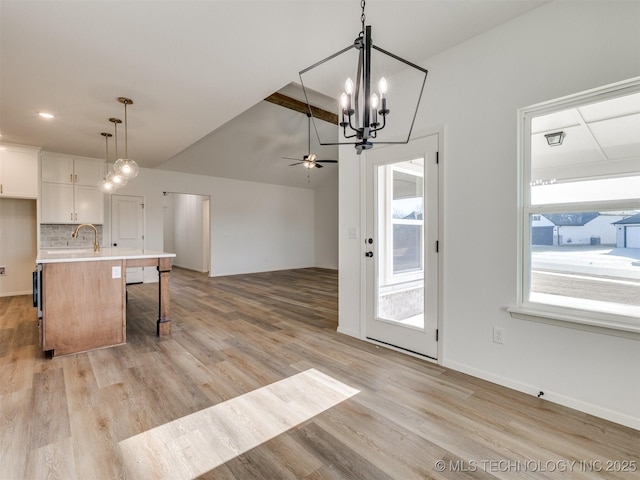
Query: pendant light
[[364, 112], [126, 167], [113, 176], [106, 186]]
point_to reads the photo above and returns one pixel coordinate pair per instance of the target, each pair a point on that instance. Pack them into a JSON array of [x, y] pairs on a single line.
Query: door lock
[[368, 254]]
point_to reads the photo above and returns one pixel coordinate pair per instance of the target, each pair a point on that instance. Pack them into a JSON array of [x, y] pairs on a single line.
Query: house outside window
[[579, 208], [401, 236], [404, 194]]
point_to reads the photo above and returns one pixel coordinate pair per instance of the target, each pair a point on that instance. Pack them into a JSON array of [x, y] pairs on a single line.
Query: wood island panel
[[83, 306]]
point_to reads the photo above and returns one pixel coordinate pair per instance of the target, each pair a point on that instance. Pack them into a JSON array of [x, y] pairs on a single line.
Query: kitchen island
[[82, 296]]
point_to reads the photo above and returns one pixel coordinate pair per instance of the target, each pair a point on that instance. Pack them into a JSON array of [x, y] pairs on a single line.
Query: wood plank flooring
[[255, 383]]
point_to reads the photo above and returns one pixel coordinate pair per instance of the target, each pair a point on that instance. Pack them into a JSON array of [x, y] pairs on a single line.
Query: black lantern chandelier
[[363, 113]]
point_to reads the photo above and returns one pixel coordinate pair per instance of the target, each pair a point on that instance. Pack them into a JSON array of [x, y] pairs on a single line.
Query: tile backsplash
[[59, 236]]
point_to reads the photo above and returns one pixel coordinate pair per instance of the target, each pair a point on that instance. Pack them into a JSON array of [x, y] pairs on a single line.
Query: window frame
[[610, 323], [390, 277]]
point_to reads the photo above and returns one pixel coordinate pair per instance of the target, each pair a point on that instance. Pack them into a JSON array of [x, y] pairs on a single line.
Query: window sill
[[616, 325]]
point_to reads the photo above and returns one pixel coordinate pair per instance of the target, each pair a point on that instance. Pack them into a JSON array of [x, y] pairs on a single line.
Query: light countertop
[[63, 255]]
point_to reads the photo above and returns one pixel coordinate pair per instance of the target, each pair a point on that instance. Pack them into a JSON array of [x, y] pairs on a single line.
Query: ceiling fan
[[310, 160]]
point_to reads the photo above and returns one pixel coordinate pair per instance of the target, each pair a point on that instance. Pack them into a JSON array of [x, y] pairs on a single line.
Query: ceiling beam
[[298, 106]]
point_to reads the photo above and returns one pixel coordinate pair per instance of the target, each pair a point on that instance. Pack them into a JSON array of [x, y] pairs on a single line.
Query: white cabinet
[[57, 203], [58, 168], [70, 192], [18, 171]]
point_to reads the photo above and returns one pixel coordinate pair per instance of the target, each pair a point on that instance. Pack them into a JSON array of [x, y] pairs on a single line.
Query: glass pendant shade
[[126, 168], [106, 186], [117, 179]]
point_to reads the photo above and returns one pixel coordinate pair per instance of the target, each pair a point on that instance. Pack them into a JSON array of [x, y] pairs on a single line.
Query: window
[[402, 186], [406, 218], [579, 251]]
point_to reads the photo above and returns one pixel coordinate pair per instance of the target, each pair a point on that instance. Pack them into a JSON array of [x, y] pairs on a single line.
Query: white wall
[[18, 251], [351, 241], [255, 227], [474, 91], [326, 224]]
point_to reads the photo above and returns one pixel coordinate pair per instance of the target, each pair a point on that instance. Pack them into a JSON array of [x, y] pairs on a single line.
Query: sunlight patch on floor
[[192, 445]]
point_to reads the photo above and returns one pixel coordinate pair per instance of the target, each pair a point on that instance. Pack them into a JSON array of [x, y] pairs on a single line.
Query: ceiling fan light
[[126, 168], [308, 164]]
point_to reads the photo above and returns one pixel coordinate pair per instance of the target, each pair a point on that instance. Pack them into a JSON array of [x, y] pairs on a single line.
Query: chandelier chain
[[362, 17]]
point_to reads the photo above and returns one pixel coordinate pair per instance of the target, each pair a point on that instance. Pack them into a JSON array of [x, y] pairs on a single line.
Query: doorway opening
[[187, 229]]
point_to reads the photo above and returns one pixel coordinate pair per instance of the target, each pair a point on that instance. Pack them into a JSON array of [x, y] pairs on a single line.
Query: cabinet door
[[57, 168], [89, 205], [88, 171], [57, 203], [19, 174]]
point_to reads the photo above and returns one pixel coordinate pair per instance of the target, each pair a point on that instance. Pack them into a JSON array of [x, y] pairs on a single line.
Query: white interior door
[[127, 228], [401, 246]]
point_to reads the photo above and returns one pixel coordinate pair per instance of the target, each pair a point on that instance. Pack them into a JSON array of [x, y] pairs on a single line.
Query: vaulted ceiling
[[198, 72]]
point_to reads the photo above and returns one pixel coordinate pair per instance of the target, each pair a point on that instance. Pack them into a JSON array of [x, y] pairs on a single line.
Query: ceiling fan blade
[[315, 164], [327, 161], [299, 163]]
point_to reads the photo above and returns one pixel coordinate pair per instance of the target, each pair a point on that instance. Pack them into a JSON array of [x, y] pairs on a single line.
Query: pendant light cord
[[106, 148], [115, 137], [126, 153]]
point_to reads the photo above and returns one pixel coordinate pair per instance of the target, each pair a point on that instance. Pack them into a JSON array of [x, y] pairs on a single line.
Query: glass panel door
[[402, 264]]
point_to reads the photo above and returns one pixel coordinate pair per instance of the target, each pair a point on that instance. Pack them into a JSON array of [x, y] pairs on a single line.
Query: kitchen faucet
[[96, 245]]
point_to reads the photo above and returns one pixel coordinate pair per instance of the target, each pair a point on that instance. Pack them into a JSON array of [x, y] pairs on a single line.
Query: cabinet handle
[[0, 188], [76, 219], [71, 216], [71, 177], [76, 178]]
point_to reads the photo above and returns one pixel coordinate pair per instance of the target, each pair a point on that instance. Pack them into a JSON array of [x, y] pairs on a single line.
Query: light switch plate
[[116, 272]]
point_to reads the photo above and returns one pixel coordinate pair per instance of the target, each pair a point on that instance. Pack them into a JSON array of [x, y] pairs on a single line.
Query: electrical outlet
[[116, 272], [3, 271], [498, 335]]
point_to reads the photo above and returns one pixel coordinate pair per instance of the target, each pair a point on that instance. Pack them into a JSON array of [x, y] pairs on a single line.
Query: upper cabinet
[[58, 168], [18, 171], [70, 192]]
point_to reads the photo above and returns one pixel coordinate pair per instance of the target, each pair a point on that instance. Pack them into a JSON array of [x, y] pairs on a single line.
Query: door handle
[[115, 244], [368, 254]]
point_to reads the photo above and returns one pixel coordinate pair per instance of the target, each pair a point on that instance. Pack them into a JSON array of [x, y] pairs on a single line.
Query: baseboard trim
[[550, 396], [15, 294], [345, 331]]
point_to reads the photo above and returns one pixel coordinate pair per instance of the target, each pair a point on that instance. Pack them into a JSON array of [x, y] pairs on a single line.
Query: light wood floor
[[255, 383]]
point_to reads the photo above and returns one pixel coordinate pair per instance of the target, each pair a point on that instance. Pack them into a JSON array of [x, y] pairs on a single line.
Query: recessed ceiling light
[[45, 115]]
